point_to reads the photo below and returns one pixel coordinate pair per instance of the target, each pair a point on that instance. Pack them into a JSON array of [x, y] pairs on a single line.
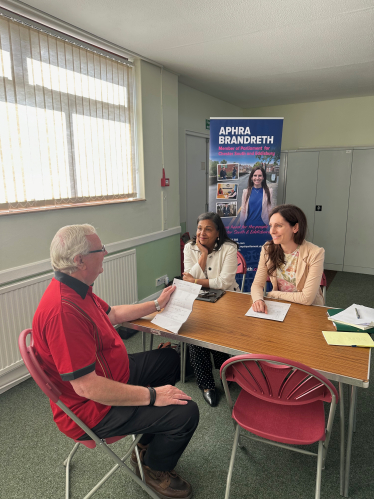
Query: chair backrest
[[242, 265], [278, 380], [31, 362]]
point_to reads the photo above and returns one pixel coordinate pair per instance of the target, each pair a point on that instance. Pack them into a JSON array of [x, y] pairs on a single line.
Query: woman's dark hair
[[293, 215], [263, 184], [222, 234]]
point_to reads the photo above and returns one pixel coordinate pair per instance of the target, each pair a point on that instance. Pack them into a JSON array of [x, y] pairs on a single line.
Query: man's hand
[[165, 296], [170, 395], [260, 306]]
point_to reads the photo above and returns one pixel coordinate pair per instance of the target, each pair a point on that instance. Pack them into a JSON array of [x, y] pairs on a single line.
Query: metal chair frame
[[322, 445], [52, 392]]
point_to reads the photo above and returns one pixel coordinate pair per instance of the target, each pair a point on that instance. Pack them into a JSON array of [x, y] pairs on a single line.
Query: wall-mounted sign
[[207, 124]]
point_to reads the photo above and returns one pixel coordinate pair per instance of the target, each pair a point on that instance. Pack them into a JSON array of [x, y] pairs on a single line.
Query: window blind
[[67, 123]]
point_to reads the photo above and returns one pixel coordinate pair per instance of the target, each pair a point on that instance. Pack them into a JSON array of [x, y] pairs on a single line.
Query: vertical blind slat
[[66, 122]]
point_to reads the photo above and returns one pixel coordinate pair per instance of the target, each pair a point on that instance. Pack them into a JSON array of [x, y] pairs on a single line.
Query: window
[[67, 123]]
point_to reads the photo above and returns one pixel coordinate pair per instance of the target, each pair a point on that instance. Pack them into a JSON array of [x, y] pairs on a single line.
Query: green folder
[[344, 327]]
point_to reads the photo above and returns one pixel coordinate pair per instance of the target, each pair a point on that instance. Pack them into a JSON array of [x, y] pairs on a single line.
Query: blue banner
[[243, 180]]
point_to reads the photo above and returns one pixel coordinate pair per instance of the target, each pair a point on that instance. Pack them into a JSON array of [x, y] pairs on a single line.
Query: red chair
[[281, 403], [52, 392], [242, 268]]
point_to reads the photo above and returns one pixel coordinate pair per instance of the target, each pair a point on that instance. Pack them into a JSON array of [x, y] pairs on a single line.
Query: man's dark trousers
[[167, 430]]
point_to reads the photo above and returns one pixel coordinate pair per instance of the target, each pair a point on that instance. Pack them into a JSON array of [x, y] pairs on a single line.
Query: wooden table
[[223, 326]]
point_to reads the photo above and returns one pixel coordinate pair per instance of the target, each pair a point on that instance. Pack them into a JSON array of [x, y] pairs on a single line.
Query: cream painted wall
[[333, 123], [25, 238], [194, 108]]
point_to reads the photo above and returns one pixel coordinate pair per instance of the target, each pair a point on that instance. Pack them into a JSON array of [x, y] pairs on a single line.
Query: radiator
[[18, 302]]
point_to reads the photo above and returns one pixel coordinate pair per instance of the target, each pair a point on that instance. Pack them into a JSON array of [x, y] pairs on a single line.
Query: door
[[197, 148], [330, 218], [301, 184], [359, 255]]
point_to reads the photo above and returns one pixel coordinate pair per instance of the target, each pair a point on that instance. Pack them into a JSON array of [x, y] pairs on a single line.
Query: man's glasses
[[98, 251]]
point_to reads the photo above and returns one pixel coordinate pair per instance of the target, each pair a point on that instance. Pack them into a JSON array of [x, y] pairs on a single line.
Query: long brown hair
[[293, 215], [263, 183]]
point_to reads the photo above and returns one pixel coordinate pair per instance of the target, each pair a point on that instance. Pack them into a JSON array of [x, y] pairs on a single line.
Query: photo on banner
[[243, 180]]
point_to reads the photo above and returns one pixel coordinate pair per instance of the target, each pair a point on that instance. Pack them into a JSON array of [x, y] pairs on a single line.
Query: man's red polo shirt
[[73, 336]]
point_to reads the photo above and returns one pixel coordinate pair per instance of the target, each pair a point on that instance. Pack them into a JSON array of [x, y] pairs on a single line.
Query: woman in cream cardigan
[[210, 260], [295, 266]]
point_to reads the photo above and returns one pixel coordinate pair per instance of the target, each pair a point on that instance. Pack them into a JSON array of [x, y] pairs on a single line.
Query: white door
[[197, 148]]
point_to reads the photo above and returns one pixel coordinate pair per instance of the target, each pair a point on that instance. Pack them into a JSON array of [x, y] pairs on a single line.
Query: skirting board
[[333, 266], [358, 270], [13, 377]]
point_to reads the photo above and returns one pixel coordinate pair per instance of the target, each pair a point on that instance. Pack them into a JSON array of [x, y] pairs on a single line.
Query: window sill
[[35, 209]]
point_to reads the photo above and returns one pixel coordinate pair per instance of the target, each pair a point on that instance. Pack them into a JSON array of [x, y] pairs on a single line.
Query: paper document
[[356, 315], [178, 307], [348, 339], [276, 311]]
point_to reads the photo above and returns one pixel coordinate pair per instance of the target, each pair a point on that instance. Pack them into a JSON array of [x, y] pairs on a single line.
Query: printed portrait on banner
[[243, 180]]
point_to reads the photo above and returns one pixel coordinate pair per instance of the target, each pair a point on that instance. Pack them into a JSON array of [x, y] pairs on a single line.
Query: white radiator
[[18, 302]]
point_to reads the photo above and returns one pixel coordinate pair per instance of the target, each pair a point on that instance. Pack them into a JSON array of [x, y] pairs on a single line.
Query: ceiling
[[250, 53]]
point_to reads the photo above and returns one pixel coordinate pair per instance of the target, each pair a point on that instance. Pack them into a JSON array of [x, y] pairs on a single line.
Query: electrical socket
[[162, 280]]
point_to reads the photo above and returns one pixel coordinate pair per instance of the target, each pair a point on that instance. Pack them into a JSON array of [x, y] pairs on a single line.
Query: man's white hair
[[69, 242]]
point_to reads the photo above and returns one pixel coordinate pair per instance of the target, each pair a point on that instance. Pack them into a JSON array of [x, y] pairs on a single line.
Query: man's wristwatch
[[157, 305], [152, 393]]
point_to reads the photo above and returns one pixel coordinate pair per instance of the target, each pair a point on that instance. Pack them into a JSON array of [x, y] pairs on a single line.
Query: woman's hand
[[260, 306], [188, 277], [202, 248], [165, 296]]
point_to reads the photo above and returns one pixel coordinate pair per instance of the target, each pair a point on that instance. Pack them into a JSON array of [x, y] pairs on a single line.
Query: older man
[[112, 392]]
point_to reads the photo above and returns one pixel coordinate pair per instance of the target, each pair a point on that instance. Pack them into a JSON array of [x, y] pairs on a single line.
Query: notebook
[[345, 327]]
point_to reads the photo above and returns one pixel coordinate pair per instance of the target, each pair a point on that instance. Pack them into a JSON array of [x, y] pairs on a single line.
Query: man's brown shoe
[[166, 484], [133, 460]]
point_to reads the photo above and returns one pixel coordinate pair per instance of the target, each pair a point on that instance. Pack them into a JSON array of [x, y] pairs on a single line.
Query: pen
[[357, 314]]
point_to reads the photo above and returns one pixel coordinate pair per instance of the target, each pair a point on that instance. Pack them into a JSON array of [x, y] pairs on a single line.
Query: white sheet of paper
[[276, 311], [179, 306], [349, 315]]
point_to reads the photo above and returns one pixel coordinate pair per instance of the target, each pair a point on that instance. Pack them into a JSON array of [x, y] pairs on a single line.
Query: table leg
[[349, 438], [143, 341], [342, 437], [183, 361]]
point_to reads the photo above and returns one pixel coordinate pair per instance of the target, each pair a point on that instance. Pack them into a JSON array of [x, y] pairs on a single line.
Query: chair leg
[[67, 464], [319, 469], [342, 438], [232, 460]]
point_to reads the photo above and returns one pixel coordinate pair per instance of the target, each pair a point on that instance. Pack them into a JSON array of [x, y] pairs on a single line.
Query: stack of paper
[[178, 307], [348, 339], [356, 316]]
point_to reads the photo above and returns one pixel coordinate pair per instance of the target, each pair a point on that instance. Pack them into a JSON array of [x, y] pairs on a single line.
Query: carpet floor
[[32, 450]]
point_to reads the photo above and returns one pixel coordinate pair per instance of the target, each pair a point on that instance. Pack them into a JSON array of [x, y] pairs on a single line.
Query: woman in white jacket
[[210, 260]]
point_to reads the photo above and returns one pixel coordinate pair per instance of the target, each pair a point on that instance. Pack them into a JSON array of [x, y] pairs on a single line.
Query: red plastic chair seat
[[288, 424], [91, 444]]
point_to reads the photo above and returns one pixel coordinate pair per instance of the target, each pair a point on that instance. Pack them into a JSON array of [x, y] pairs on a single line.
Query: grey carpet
[[347, 288], [32, 450]]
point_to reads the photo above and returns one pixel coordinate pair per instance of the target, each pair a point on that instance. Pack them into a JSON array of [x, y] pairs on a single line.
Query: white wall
[[193, 109], [25, 238], [332, 123]]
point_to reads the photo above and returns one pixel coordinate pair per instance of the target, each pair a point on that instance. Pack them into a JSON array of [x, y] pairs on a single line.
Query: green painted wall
[[154, 260], [333, 123], [25, 238]]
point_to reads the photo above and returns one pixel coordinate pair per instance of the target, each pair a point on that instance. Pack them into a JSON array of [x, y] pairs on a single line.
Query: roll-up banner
[[243, 180]]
